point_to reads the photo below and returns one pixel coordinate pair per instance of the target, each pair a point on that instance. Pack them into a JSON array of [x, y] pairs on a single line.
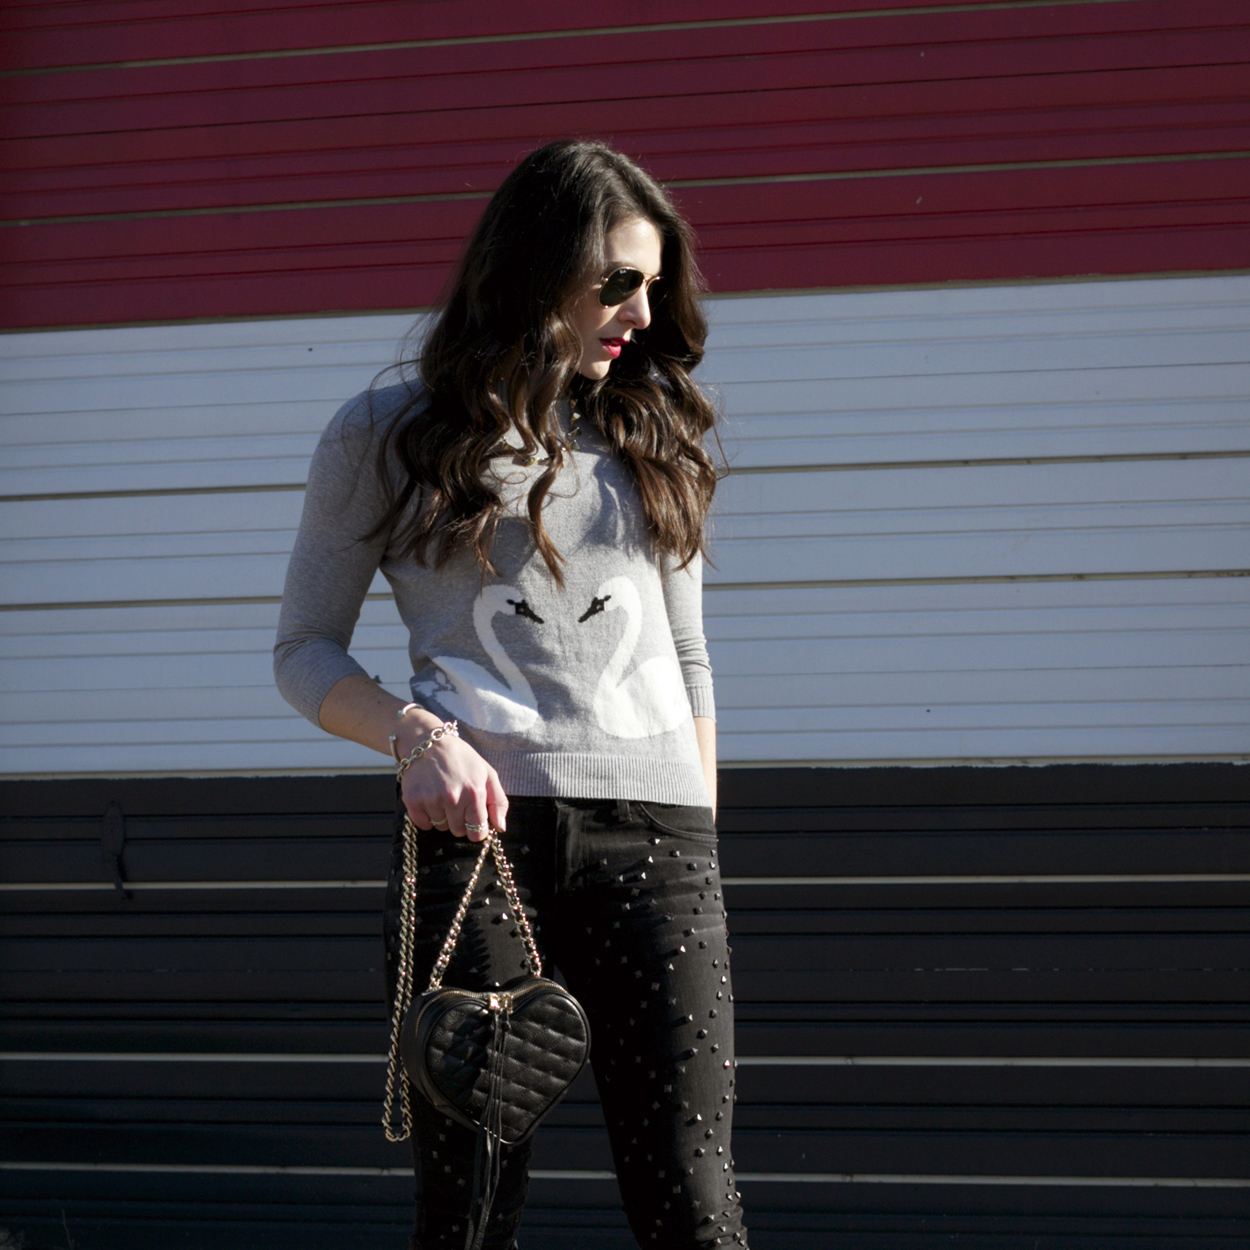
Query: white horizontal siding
[[180, 687], [1041, 669], [1114, 368], [854, 612], [1086, 369], [1013, 520], [178, 407]]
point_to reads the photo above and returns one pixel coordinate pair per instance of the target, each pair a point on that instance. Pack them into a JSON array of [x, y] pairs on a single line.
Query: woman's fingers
[[454, 788], [496, 802], [474, 820], [426, 811], [422, 818]]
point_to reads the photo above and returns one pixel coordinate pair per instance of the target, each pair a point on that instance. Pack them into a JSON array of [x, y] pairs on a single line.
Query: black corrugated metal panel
[[1037, 973]]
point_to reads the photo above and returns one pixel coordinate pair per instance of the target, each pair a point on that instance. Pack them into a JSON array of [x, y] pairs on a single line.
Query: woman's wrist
[[361, 710], [412, 724], [445, 729]]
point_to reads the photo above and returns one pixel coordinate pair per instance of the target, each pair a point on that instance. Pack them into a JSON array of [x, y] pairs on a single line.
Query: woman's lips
[[613, 346]]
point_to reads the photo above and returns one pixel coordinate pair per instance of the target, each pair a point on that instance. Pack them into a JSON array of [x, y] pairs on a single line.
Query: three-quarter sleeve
[[683, 597], [333, 564]]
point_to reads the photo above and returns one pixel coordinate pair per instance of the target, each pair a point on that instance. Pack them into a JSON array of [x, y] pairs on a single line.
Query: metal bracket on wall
[[112, 843]]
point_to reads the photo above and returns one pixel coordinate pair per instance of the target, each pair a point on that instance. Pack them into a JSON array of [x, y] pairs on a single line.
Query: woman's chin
[[594, 369]]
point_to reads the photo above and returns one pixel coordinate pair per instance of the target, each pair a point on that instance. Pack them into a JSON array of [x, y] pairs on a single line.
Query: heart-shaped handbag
[[495, 1061], [522, 1046]]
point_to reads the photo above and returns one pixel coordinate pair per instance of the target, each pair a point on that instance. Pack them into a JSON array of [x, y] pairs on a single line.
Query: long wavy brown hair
[[502, 353]]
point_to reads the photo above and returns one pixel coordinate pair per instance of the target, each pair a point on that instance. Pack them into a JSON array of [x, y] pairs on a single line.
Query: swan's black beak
[[523, 609], [596, 606]]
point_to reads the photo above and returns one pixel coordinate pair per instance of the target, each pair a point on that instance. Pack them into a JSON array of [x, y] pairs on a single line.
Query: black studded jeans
[[626, 902]]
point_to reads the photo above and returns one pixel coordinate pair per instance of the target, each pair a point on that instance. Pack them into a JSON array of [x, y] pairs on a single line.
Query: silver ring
[[469, 828], [439, 824]]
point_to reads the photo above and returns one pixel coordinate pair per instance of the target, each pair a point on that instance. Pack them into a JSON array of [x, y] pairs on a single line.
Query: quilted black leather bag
[[520, 1047], [496, 1061]]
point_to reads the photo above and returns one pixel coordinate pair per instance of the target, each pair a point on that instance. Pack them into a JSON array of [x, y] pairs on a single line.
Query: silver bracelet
[[449, 727], [394, 738]]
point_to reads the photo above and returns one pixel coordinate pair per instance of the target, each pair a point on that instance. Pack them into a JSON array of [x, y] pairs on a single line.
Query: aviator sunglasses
[[620, 284]]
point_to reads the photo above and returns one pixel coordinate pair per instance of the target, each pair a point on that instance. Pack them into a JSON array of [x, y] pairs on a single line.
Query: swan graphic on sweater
[[649, 700], [471, 692]]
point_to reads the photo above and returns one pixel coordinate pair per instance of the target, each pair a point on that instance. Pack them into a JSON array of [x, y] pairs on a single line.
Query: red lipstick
[[613, 346]]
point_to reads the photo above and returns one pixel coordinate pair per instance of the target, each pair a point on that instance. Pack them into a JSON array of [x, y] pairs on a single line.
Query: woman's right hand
[[451, 787]]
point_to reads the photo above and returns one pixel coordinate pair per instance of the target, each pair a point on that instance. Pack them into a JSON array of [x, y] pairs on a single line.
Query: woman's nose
[[637, 309]]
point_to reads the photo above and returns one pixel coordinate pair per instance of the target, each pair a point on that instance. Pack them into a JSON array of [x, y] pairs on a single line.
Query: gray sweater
[[585, 692]]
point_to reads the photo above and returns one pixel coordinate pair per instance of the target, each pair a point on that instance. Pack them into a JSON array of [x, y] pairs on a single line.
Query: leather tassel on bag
[[488, 1157]]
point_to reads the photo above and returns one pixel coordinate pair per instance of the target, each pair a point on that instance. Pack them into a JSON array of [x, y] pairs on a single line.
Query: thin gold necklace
[[567, 444]]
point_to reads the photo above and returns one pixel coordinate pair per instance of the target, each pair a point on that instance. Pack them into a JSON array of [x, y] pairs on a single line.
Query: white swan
[[652, 699], [472, 693]]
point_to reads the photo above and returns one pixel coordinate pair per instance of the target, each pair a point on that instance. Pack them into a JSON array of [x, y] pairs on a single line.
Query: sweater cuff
[[305, 686], [702, 702]]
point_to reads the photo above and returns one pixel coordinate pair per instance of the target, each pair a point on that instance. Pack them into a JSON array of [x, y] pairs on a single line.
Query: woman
[[536, 501]]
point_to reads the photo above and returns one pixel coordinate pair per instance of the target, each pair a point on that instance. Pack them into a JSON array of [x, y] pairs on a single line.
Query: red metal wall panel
[[989, 45], [721, 134], [49, 35], [985, 143], [921, 228]]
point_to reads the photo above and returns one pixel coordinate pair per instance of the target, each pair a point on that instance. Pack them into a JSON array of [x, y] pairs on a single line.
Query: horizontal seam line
[[452, 41], [197, 602], [848, 763], [27, 886], [158, 492], [830, 583], [957, 1061], [678, 184], [1185, 1182], [412, 310], [844, 764], [977, 580], [968, 462], [1162, 1182], [987, 167], [999, 879], [736, 882]]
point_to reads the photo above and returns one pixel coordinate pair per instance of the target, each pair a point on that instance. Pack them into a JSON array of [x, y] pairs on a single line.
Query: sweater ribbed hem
[[562, 775]]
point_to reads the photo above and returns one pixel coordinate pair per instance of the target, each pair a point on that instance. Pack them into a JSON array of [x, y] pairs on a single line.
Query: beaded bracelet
[[436, 735]]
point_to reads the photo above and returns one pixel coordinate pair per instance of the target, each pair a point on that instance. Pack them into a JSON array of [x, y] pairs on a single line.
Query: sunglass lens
[[619, 285]]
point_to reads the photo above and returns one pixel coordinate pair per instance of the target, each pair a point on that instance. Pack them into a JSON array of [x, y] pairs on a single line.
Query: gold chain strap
[[403, 995], [490, 844], [407, 934]]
